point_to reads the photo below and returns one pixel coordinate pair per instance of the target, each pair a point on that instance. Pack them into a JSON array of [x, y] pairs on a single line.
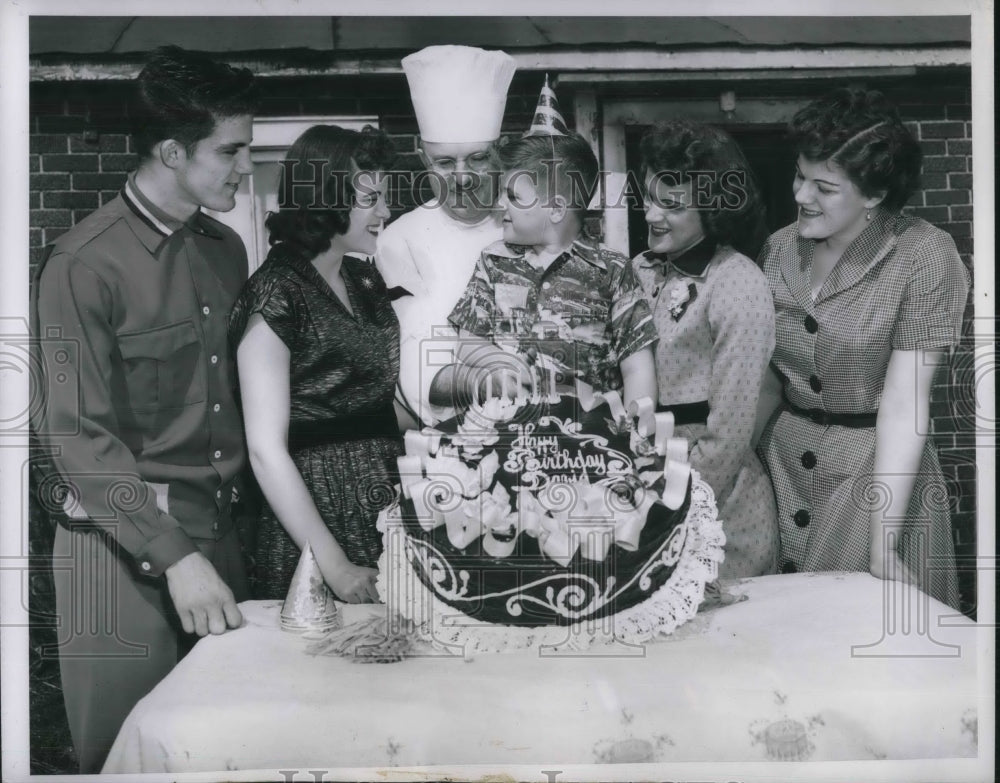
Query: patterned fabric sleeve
[[476, 310], [269, 293], [741, 317], [632, 327], [930, 315]]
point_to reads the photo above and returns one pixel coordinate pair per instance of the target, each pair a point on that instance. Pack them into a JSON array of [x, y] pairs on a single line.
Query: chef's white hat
[[458, 92]]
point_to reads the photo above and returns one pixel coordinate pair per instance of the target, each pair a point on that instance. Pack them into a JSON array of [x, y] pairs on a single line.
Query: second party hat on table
[[547, 120], [309, 606]]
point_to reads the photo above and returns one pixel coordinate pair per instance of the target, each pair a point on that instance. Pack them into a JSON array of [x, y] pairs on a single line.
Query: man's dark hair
[[181, 95]]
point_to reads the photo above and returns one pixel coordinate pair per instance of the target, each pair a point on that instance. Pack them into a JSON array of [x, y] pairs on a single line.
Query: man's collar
[[148, 212], [158, 224]]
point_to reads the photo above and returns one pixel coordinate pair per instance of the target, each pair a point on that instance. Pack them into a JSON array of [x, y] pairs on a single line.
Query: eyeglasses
[[478, 162]]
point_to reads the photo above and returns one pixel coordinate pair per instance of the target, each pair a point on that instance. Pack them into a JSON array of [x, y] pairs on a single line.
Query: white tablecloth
[[794, 652]]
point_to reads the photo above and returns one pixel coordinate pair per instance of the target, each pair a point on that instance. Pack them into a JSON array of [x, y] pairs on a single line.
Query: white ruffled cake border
[[669, 607]]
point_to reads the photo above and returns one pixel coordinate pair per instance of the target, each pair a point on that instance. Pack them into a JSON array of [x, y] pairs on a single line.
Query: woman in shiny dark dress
[[318, 355]]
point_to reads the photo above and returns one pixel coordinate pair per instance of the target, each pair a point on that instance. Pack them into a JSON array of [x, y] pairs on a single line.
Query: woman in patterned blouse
[[318, 359], [713, 311], [869, 303]]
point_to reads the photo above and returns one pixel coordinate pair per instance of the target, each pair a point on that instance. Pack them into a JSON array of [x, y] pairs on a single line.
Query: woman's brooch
[[679, 296]]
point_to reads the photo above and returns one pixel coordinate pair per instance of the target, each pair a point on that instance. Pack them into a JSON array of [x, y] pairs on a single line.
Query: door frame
[[618, 113]]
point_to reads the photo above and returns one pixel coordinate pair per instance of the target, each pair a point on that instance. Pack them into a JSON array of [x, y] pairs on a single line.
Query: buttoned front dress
[[900, 286], [717, 351]]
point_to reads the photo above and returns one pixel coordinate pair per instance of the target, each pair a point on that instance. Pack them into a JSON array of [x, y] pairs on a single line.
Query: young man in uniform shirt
[[427, 256], [140, 416]]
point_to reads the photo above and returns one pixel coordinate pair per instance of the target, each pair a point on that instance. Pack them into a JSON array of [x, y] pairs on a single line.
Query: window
[[757, 125]]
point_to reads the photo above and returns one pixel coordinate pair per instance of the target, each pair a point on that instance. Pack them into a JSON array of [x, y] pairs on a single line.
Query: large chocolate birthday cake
[[541, 512]]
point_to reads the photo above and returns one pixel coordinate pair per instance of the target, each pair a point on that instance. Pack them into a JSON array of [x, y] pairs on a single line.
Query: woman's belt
[[380, 423], [687, 413], [827, 419]]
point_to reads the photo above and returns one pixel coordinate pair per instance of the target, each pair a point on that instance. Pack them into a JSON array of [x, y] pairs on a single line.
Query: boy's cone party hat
[[547, 120]]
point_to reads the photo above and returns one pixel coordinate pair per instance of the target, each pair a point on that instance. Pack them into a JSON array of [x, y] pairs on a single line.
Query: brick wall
[[941, 119], [80, 154]]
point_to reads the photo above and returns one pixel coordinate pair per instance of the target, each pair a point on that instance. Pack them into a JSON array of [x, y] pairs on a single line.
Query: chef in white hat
[[428, 255]]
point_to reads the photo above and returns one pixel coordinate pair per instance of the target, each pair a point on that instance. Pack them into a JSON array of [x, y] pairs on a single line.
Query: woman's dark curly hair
[[726, 194], [861, 132], [316, 190]]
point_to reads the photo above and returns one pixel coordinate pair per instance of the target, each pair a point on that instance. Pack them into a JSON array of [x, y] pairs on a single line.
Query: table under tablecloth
[[854, 667]]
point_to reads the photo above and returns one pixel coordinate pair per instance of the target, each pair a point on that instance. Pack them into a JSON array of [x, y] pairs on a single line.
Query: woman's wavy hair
[[723, 185], [860, 131], [316, 189]]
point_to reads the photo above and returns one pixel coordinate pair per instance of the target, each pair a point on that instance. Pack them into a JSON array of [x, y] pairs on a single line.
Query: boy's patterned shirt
[[585, 310]]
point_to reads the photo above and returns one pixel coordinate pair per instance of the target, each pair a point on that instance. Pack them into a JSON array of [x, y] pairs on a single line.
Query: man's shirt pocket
[[164, 367]]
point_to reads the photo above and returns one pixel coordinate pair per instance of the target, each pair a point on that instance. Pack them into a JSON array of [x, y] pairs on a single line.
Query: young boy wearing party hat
[[568, 304], [427, 255]]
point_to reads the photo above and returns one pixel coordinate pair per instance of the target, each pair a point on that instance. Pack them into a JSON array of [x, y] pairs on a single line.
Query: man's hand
[[203, 601]]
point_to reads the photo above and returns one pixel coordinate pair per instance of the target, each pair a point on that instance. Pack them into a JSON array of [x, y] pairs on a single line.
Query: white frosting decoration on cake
[[695, 560], [572, 492], [566, 497]]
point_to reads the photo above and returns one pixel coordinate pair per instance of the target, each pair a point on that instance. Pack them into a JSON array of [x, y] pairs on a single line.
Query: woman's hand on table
[[355, 584]]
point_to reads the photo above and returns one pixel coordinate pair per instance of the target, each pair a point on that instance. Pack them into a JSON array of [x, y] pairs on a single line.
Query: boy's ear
[[559, 209], [172, 153]]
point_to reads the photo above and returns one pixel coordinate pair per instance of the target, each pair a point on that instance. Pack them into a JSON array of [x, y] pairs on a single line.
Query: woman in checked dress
[[869, 303]]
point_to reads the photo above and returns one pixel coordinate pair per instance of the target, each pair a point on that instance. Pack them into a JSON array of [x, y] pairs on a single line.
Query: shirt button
[[219, 454], [218, 494], [206, 310], [812, 326], [147, 567], [215, 526], [789, 568], [814, 384], [801, 518], [808, 460], [216, 408], [214, 359], [546, 285]]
